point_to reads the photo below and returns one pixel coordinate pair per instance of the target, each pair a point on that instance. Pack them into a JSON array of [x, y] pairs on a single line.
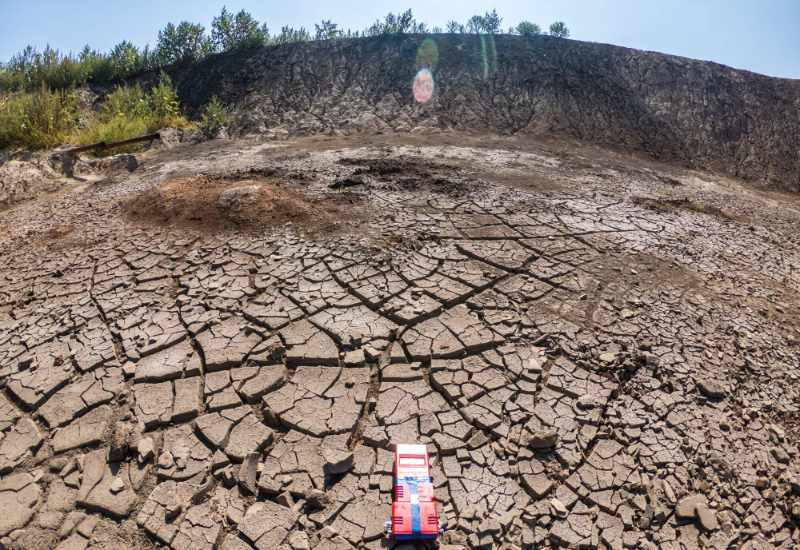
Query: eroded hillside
[[697, 113]]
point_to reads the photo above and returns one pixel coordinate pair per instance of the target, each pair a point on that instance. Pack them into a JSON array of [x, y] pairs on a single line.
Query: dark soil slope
[[697, 113]]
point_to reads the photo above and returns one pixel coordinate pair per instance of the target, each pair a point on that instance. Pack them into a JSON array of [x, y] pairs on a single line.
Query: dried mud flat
[[219, 349]]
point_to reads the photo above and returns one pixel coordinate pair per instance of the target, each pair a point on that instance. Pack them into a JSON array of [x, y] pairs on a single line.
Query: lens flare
[[423, 86], [488, 55], [428, 54]]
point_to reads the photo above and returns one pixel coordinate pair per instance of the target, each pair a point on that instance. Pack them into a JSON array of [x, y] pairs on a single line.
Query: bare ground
[[599, 350]]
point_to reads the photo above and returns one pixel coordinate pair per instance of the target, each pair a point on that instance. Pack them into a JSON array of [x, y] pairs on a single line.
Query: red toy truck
[[414, 515]]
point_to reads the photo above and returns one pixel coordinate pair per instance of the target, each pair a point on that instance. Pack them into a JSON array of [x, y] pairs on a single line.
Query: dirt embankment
[[697, 113]]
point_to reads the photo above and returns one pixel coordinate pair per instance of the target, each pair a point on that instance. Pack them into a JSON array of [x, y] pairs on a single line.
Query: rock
[[248, 473], [354, 358], [117, 485], [608, 357], [542, 440], [165, 460], [686, 508], [145, 449], [780, 455], [298, 540], [337, 461], [796, 511], [120, 440], [558, 507], [707, 517], [588, 402], [711, 389]]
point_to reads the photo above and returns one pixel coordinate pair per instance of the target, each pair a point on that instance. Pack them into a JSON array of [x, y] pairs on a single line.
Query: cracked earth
[[218, 349]]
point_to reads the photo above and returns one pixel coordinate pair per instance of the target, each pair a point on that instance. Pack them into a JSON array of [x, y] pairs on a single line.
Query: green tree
[[559, 30], [526, 28], [475, 24], [327, 30], [242, 30], [290, 34], [491, 22], [184, 42], [454, 27], [124, 59], [402, 23]]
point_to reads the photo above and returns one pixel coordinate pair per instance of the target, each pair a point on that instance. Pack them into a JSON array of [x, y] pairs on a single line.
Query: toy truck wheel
[[387, 527]]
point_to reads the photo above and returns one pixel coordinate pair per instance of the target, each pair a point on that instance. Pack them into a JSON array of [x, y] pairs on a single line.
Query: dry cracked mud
[[219, 352]]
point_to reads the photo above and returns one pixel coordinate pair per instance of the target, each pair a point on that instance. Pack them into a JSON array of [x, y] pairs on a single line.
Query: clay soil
[[219, 349]]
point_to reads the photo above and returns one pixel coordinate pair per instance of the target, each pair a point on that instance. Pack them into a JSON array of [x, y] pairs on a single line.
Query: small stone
[[165, 460], [796, 510], [542, 440], [354, 358], [780, 455], [587, 402], [558, 507], [117, 485], [608, 357], [711, 389], [118, 450], [145, 449], [298, 540]]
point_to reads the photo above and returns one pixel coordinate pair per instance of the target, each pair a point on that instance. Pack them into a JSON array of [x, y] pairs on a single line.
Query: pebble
[[558, 507]]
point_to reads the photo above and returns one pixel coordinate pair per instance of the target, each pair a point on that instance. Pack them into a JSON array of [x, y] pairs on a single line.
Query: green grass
[[37, 120], [45, 119]]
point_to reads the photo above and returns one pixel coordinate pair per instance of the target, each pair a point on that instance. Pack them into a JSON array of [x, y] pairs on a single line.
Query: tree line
[[188, 42]]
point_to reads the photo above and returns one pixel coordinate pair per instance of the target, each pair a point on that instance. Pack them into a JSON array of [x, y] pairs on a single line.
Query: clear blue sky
[[758, 35]]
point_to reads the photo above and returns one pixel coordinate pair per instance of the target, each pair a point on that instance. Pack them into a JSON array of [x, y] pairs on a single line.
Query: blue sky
[[758, 35]]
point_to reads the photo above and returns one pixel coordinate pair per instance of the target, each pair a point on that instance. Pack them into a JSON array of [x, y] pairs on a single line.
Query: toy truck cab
[[414, 515]]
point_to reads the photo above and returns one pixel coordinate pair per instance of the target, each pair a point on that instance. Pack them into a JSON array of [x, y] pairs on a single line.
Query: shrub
[[37, 120], [130, 112], [214, 118], [559, 30], [526, 28], [164, 103]]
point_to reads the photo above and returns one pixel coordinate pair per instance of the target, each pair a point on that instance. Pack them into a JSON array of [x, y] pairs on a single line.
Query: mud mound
[[215, 204]]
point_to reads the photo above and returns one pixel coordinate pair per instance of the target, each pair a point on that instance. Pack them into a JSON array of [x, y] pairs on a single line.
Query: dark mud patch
[[688, 205], [217, 204], [409, 174]]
